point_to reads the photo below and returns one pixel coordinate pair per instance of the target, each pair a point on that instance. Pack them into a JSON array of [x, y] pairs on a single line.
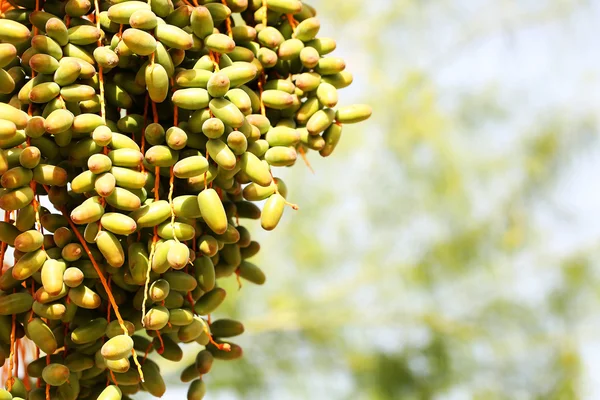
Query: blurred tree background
[[448, 248]]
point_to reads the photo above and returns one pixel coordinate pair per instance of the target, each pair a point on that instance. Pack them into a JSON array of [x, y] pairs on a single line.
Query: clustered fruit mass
[[152, 129]]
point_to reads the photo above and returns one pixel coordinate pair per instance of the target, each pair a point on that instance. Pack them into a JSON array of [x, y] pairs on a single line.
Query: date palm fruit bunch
[[151, 128]]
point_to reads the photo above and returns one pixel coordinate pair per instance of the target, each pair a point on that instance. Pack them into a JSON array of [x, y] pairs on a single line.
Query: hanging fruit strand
[[144, 217]]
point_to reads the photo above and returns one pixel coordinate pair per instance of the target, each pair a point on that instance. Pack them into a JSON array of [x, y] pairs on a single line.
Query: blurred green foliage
[[422, 264]]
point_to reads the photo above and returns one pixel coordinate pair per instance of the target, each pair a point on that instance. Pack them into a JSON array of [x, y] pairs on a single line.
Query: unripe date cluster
[[153, 129]]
